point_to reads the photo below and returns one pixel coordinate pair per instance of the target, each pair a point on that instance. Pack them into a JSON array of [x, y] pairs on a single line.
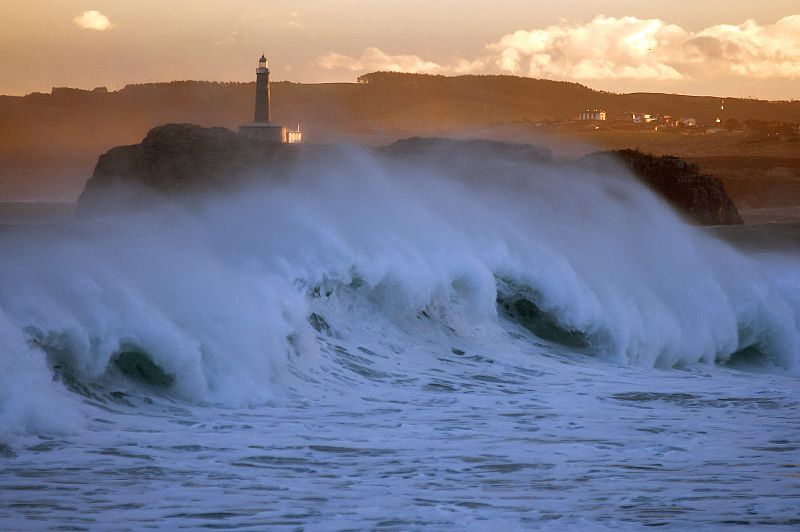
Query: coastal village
[[653, 121], [601, 120], [637, 120]]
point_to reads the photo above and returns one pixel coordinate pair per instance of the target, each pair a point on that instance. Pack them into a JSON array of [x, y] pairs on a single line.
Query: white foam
[[218, 294]]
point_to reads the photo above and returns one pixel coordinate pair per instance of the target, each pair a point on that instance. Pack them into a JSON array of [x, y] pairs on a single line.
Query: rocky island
[[176, 160]]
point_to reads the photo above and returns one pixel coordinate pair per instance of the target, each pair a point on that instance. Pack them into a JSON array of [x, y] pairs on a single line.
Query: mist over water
[[356, 282]]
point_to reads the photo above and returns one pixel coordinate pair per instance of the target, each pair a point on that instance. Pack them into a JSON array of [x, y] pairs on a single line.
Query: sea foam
[[217, 293]]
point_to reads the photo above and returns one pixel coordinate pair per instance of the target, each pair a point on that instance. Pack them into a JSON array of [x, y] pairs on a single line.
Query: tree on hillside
[[733, 124]]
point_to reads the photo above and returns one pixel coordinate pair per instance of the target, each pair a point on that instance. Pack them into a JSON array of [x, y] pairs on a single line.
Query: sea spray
[[30, 402], [221, 298]]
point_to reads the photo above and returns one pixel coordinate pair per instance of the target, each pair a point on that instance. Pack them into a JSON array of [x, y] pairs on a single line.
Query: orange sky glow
[[731, 48]]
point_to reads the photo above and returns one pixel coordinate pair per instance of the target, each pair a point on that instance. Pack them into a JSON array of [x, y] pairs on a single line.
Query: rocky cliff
[[700, 197], [178, 160], [183, 159]]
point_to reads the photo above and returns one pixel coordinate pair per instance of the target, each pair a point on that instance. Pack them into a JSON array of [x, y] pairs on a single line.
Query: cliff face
[[701, 197], [182, 159], [175, 159]]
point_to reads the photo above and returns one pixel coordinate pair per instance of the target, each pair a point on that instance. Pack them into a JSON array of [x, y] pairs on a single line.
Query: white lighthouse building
[[262, 128]]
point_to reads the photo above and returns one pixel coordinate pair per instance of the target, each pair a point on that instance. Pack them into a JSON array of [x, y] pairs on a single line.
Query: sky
[[737, 48]]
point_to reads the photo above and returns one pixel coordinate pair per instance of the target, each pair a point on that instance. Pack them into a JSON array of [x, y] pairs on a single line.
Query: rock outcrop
[[700, 197], [177, 159]]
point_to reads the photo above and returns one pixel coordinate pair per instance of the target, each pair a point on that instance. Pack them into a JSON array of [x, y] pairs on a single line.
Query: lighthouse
[[262, 128], [262, 91]]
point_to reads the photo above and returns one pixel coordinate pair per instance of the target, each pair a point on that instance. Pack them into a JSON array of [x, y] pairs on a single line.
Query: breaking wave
[[226, 299]]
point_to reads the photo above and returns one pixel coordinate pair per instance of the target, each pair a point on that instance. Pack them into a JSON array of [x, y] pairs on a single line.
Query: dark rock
[[701, 197], [175, 159]]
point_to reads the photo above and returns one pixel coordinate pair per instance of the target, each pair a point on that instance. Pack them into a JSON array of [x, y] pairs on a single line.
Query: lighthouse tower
[[261, 128], [262, 91]]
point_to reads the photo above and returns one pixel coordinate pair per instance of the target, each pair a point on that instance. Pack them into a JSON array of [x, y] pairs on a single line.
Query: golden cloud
[[375, 59], [632, 48], [608, 48], [93, 20]]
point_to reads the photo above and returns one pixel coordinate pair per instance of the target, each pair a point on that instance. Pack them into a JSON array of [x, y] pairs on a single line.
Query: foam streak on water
[[372, 345]]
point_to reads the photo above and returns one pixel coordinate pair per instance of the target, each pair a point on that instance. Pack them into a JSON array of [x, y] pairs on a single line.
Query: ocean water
[[400, 346]]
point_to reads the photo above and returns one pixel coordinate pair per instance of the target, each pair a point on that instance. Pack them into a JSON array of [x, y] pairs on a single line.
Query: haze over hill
[[51, 141]]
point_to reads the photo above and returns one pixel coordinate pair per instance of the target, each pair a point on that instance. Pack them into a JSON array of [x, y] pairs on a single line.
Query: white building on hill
[[592, 115]]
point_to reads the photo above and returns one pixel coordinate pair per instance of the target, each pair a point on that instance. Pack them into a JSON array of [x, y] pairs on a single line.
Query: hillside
[[51, 141]]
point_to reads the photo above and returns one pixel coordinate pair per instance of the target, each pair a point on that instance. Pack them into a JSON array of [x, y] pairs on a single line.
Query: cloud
[[605, 48], [609, 48], [375, 59], [749, 49], [633, 48], [93, 20]]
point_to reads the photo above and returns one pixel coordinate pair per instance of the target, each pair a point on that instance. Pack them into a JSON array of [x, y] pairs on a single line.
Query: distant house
[[687, 122], [596, 114], [642, 118], [294, 136], [664, 122]]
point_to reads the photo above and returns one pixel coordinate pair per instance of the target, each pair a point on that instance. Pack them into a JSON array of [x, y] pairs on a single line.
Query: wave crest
[[220, 300]]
